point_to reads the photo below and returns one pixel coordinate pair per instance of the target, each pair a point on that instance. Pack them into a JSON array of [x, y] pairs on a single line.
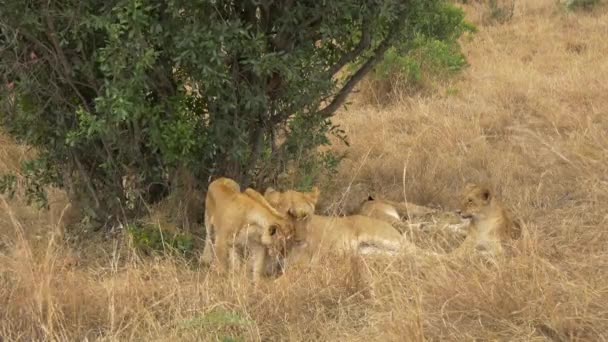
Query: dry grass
[[530, 117]]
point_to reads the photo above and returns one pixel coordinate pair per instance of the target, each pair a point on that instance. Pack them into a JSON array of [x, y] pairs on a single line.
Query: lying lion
[[391, 211], [488, 231], [316, 234], [491, 228], [239, 223], [415, 219]]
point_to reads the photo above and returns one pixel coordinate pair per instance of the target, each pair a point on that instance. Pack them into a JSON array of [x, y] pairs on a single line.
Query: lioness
[[491, 227], [319, 234], [297, 206], [245, 221], [391, 211]]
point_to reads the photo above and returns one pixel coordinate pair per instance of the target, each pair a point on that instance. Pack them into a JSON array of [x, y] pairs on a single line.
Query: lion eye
[[273, 230], [470, 200]]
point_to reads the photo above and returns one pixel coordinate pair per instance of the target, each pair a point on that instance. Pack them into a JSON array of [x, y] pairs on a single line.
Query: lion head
[[298, 207], [278, 229], [475, 199]]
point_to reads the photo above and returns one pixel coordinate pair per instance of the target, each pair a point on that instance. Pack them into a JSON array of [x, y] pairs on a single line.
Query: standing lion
[[239, 223]]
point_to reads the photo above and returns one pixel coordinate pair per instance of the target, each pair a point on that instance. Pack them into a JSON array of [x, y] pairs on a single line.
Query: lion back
[[257, 197]]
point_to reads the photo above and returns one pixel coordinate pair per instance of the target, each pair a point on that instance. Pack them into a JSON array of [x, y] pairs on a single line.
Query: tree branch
[[284, 37], [86, 179], [376, 58], [364, 42], [67, 70]]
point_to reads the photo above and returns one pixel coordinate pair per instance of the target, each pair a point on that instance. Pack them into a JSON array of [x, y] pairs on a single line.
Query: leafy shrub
[[8, 184], [138, 89], [580, 4], [152, 239], [433, 54], [499, 12], [228, 325], [308, 165]]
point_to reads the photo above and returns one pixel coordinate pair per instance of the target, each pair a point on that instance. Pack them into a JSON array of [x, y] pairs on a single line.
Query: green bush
[[152, 239], [433, 53], [498, 12], [8, 184], [228, 326], [307, 166], [580, 4], [110, 89]]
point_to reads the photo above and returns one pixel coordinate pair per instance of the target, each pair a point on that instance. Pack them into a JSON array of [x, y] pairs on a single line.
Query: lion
[[349, 238], [415, 220], [356, 233], [243, 222], [297, 206], [392, 212], [491, 226], [317, 234]]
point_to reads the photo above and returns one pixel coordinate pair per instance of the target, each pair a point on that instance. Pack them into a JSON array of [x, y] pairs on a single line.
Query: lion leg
[[362, 276], [207, 250], [222, 250], [235, 259], [299, 255], [370, 244], [258, 262], [412, 210], [274, 266]]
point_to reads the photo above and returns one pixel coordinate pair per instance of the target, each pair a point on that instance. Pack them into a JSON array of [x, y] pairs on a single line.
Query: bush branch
[[364, 42], [376, 58]]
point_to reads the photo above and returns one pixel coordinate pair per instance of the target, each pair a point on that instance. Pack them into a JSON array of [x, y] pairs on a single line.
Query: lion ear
[[314, 195], [273, 229], [269, 190], [486, 194]]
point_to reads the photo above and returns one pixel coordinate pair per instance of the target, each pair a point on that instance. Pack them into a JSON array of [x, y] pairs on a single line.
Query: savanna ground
[[529, 116]]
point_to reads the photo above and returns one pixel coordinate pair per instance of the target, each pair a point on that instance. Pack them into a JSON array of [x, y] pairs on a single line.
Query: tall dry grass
[[529, 117]]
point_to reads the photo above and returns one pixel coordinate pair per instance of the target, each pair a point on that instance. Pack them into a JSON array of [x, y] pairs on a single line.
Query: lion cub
[[243, 222], [491, 228]]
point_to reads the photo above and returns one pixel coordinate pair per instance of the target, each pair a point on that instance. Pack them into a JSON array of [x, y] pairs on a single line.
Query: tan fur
[[412, 219], [299, 207], [391, 211], [323, 234], [356, 233], [492, 227], [244, 222]]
